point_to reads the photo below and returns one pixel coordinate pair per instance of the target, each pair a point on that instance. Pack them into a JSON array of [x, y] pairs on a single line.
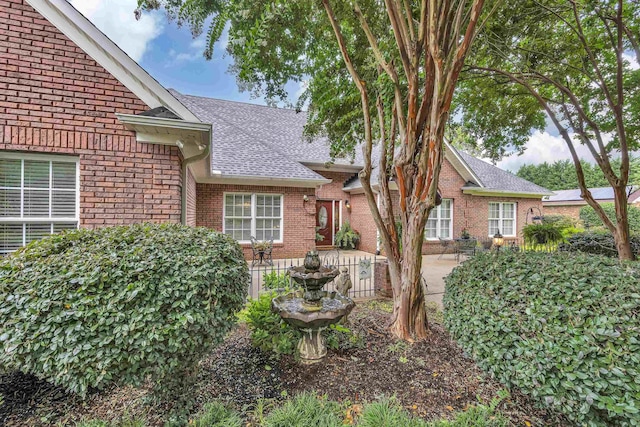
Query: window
[[38, 196], [502, 217], [258, 215], [439, 223]]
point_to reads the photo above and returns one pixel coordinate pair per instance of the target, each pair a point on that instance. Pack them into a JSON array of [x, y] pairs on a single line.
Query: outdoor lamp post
[[498, 240]]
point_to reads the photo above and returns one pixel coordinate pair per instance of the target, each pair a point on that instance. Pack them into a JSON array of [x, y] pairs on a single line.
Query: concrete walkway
[[434, 270]]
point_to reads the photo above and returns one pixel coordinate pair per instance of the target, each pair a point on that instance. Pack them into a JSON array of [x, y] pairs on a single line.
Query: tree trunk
[[409, 310], [621, 232]]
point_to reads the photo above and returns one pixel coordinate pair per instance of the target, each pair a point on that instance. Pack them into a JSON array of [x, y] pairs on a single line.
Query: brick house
[[88, 139], [569, 202]]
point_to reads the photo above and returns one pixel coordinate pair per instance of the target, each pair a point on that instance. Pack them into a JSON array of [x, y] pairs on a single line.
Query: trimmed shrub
[[118, 305], [564, 328], [591, 219], [598, 243]]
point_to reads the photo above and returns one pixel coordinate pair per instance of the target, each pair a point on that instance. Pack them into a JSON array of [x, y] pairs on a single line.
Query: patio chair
[[445, 243], [466, 247], [262, 253]]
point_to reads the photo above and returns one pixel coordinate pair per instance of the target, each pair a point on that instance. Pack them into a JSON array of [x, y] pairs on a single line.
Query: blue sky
[[174, 58]]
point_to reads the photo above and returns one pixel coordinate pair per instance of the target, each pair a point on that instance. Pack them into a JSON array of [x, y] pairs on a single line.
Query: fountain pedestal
[[312, 347]]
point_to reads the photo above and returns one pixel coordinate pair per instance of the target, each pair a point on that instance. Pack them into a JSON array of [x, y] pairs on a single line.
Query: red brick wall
[[55, 99], [299, 217], [567, 210], [362, 222]]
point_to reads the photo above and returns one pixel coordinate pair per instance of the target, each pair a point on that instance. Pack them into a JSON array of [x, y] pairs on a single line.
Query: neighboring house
[[88, 139], [569, 202]]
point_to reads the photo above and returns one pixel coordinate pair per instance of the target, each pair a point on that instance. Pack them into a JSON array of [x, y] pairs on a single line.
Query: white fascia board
[[264, 181], [106, 53], [460, 165], [487, 192], [332, 167]]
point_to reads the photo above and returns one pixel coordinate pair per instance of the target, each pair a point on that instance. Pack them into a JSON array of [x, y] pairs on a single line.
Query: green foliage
[[596, 242], [591, 219], [387, 412], [346, 237], [268, 331], [124, 422], [305, 410], [541, 234], [275, 280], [339, 337], [89, 308], [216, 414], [562, 328]]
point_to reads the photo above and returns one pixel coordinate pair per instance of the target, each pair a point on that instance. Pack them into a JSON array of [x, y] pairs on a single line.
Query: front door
[[324, 222]]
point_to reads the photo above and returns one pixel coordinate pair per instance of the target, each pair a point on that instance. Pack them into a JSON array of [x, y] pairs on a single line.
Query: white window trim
[[433, 239], [48, 219], [254, 212], [502, 218]]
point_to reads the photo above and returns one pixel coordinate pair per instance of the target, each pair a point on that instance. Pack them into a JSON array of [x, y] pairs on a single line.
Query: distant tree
[[561, 174], [379, 72], [568, 62]]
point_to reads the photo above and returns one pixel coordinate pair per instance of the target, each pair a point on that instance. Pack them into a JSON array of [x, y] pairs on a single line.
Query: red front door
[[324, 222]]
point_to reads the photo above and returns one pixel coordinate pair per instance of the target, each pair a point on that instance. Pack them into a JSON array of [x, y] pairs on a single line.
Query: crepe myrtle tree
[[377, 73], [573, 63]]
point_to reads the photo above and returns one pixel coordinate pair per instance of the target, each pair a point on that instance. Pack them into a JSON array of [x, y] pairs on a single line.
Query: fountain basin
[[313, 281], [311, 318]]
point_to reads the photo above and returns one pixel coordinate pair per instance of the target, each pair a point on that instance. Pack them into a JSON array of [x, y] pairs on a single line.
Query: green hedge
[[597, 243], [591, 219], [118, 305], [564, 328]]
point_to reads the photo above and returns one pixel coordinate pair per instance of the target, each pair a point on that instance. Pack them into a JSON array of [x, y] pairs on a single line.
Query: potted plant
[[346, 237], [465, 234], [542, 233]]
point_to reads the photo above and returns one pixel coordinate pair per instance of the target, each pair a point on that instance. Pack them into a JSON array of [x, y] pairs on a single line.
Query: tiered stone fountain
[[312, 309]]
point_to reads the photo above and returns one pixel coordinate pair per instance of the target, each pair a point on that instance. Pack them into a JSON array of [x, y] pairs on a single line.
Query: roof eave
[[249, 180], [488, 192]]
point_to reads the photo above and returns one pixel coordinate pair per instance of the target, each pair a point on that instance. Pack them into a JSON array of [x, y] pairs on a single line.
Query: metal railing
[[361, 270]]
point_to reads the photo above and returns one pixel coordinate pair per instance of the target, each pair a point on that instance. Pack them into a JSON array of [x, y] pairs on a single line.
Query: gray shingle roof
[[258, 141], [251, 140], [573, 195], [494, 178]]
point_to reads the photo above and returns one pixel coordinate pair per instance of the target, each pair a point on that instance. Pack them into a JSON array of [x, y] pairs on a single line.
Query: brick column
[[382, 279]]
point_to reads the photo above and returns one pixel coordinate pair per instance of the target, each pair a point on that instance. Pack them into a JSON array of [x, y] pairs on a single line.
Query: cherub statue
[[343, 282]]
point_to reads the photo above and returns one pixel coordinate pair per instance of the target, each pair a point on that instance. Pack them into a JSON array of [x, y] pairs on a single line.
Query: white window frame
[[254, 212], [502, 218], [439, 219], [42, 219]]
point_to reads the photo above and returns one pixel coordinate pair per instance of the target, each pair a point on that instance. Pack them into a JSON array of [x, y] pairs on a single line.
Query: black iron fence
[[361, 271]]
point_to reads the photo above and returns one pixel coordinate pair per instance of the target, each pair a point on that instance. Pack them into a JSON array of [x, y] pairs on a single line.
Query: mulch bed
[[432, 379]]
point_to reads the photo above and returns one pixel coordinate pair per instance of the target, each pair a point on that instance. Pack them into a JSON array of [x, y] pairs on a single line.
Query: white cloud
[[543, 147], [115, 18], [633, 63]]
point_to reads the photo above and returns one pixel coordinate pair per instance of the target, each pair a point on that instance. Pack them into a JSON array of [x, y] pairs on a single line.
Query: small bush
[[119, 305], [561, 221], [268, 331], [563, 328], [598, 243], [591, 219], [216, 414], [305, 410]]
